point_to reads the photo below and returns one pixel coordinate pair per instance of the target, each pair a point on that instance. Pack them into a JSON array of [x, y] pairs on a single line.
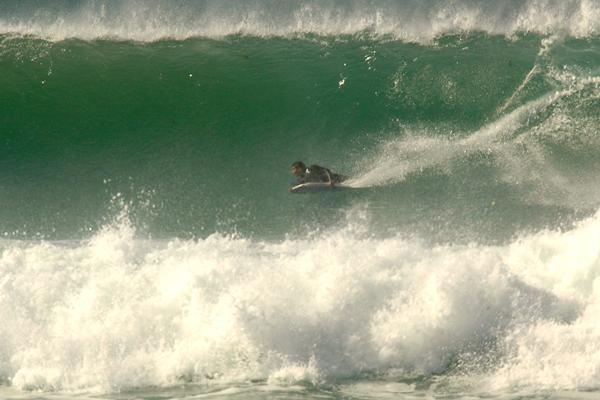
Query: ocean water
[[149, 248]]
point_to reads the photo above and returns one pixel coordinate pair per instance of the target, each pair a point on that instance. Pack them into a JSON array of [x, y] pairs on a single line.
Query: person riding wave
[[314, 173]]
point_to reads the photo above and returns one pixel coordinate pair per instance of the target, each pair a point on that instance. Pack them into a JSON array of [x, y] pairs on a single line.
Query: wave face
[[149, 241], [492, 136]]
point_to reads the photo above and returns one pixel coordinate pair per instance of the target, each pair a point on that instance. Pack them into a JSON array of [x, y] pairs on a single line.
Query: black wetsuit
[[315, 173]]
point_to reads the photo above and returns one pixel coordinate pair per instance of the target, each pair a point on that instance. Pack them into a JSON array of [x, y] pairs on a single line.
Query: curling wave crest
[[414, 20]]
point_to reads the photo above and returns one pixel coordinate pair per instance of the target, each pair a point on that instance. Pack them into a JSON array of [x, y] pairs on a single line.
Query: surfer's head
[[298, 168]]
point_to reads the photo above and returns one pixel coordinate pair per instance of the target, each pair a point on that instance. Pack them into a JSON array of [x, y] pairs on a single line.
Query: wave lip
[[414, 21]]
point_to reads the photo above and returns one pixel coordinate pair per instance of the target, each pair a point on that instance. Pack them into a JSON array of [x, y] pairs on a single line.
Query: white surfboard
[[311, 187]]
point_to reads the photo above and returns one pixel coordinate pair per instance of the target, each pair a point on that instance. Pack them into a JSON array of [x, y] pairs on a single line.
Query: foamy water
[[117, 312], [419, 21]]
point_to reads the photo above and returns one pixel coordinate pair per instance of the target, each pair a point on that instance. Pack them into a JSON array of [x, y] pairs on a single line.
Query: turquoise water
[[196, 136], [150, 248]]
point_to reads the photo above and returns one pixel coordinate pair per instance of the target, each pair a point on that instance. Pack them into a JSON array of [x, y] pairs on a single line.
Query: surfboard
[[312, 187]]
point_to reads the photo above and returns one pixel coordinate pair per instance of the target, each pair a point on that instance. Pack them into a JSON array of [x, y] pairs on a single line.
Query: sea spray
[[230, 309], [419, 21]]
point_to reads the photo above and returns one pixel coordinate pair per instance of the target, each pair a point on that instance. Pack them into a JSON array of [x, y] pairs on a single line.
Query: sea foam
[[117, 311], [418, 21], [519, 141]]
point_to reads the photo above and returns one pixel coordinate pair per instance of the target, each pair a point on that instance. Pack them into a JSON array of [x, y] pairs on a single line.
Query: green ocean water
[[150, 249], [196, 136]]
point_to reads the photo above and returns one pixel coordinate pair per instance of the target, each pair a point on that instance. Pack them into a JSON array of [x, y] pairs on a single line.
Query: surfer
[[314, 173]]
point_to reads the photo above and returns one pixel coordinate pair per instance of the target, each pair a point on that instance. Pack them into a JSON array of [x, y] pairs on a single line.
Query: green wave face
[[151, 248], [469, 136]]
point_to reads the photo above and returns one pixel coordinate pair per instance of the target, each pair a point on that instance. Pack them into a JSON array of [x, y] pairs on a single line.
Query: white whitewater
[[118, 312], [414, 20]]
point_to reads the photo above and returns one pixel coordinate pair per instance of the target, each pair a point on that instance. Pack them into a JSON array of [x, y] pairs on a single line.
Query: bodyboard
[[313, 187]]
